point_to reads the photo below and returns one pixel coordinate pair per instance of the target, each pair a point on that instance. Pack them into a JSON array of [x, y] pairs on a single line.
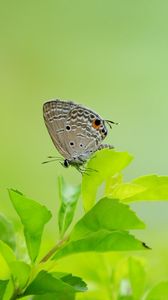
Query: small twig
[[19, 294], [54, 249]]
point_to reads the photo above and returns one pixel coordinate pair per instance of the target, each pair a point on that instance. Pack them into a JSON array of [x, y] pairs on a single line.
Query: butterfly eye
[[66, 163]]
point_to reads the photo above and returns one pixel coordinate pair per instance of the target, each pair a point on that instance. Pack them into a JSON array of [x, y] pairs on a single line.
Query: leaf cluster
[[105, 226]]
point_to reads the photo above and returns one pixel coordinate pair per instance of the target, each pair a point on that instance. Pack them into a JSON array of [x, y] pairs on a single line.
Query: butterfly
[[76, 131]]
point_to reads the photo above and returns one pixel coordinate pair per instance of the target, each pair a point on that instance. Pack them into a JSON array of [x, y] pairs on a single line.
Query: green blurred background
[[111, 56]]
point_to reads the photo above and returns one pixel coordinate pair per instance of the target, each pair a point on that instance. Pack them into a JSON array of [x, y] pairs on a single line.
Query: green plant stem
[[54, 249], [14, 295]]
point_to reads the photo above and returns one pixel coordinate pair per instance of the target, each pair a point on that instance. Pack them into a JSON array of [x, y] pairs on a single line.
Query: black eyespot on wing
[[97, 122], [71, 143], [81, 145], [104, 131], [68, 127]]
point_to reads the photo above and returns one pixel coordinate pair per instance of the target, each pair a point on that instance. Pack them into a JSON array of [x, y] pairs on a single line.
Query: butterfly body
[[76, 131]]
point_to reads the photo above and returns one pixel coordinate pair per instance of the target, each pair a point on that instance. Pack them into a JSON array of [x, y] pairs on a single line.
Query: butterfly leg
[[85, 171], [91, 170], [80, 169]]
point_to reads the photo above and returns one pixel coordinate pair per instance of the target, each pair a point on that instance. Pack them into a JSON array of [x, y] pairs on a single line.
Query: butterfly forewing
[[55, 113]]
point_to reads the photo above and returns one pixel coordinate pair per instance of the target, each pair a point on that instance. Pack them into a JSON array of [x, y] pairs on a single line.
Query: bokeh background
[[111, 56]]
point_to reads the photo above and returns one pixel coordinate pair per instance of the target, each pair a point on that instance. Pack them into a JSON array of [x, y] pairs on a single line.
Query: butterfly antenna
[[109, 122], [57, 157], [48, 161]]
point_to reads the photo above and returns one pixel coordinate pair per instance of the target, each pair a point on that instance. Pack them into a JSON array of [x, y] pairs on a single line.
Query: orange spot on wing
[[95, 125]]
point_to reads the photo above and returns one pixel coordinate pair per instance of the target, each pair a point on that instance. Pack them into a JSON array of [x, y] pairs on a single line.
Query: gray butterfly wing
[[84, 138], [71, 129], [55, 113]]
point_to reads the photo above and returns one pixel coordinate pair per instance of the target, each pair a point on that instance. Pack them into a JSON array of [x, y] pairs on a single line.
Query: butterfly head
[[66, 163]]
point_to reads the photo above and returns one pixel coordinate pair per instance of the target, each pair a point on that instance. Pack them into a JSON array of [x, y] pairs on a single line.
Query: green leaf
[[130, 278], [158, 292], [102, 241], [20, 273], [137, 277], [125, 298], [106, 163], [33, 217], [7, 252], [9, 291], [7, 233], [56, 296], [76, 282], [155, 188], [148, 187], [4, 269], [112, 182], [3, 285], [46, 283], [69, 196], [107, 214], [6, 257], [123, 190], [103, 229]]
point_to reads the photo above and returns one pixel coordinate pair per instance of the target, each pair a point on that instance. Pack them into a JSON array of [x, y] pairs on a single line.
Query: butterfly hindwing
[[85, 137]]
